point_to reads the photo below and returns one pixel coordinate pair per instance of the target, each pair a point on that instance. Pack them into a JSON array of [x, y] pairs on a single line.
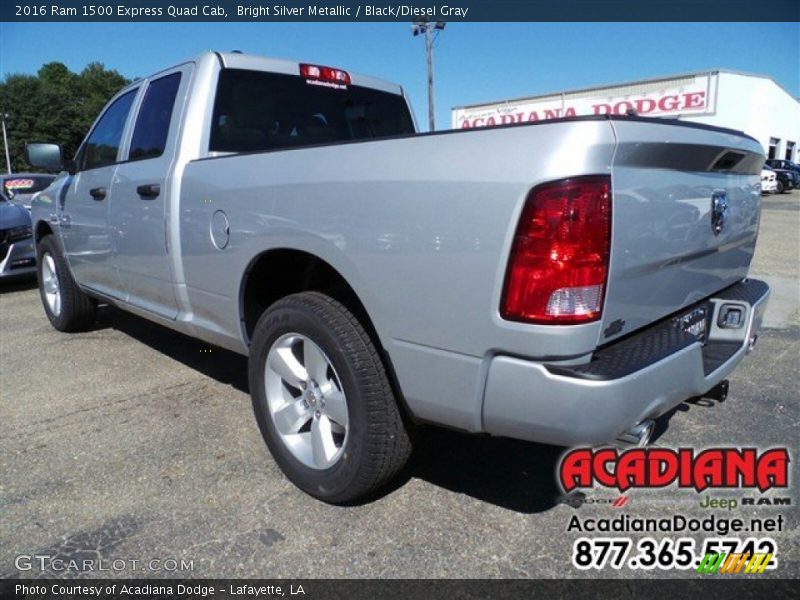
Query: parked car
[[17, 256], [769, 181], [776, 163], [21, 187], [587, 277], [786, 179]]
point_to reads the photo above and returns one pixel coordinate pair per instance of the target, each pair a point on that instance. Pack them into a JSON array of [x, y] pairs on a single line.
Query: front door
[[84, 209]]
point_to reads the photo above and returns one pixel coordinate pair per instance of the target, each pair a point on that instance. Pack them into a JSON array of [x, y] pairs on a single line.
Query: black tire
[[780, 189], [77, 310], [378, 442]]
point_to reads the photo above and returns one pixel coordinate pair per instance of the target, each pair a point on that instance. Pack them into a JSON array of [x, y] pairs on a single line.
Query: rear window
[[26, 184], [264, 111]]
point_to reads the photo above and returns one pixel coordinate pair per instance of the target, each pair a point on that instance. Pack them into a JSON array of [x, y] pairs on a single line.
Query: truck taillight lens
[[558, 266]]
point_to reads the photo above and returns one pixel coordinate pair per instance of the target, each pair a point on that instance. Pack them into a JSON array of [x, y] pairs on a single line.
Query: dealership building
[[747, 102]]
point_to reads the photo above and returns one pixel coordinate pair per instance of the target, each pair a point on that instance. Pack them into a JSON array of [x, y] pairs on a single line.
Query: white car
[[769, 181]]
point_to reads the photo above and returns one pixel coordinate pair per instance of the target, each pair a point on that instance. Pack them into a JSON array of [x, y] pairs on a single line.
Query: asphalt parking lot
[[132, 442]]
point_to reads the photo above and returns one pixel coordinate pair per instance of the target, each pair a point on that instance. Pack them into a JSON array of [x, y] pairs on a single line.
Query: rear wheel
[[323, 401], [67, 307]]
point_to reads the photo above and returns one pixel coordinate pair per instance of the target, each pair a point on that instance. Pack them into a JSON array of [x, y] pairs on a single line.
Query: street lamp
[[5, 143], [431, 32]]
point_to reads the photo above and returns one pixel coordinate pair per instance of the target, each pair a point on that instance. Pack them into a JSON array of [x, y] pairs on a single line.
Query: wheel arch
[[41, 229], [279, 272]]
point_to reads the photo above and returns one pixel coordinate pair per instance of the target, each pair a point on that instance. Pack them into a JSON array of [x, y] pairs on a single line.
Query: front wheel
[[780, 189], [322, 399], [67, 307]]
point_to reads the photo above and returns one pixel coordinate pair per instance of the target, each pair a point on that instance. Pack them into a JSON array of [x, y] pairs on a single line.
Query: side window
[[103, 144], [152, 124]]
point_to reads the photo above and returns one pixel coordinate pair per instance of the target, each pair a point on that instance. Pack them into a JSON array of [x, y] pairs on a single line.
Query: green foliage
[[55, 105]]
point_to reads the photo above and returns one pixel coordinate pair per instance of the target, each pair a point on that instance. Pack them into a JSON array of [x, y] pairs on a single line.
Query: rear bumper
[[641, 377]]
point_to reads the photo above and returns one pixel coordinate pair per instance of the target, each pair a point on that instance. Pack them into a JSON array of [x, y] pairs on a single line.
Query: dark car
[[787, 180], [787, 165], [20, 187], [17, 255]]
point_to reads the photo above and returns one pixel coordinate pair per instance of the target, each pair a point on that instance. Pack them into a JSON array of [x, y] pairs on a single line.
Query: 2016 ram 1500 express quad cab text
[[564, 282]]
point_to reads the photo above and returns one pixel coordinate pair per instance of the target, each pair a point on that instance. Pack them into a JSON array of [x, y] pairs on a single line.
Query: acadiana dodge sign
[[670, 97]]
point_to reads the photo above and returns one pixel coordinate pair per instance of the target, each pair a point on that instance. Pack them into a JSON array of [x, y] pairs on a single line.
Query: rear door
[[84, 210], [686, 205], [140, 211]]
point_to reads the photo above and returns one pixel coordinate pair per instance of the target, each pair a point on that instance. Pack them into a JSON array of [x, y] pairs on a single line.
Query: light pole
[[427, 28], [5, 144]]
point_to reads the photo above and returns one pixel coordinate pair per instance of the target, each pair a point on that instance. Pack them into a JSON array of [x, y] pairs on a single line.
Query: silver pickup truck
[[563, 282]]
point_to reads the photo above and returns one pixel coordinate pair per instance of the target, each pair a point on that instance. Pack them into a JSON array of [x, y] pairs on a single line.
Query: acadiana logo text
[[661, 467]]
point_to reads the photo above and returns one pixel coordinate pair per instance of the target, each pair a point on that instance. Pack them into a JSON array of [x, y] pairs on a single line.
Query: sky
[[474, 62]]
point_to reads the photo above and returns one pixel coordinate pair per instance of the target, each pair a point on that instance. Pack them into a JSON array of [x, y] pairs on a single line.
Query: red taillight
[[325, 74], [559, 259]]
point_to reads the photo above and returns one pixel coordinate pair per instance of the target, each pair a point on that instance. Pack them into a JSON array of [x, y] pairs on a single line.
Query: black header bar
[[140, 11], [699, 586]]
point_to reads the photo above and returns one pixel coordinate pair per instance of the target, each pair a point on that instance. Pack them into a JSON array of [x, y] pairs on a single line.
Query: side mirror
[[45, 156]]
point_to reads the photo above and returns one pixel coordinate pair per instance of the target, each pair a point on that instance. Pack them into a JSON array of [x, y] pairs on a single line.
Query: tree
[[55, 105]]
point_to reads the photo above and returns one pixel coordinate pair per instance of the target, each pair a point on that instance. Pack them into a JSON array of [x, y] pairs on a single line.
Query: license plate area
[[694, 322]]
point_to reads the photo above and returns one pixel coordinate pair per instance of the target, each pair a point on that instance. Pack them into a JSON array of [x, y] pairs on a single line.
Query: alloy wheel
[[50, 284], [306, 401]]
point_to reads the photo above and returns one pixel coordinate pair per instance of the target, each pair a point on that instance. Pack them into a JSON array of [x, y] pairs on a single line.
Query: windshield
[[25, 184], [256, 111]]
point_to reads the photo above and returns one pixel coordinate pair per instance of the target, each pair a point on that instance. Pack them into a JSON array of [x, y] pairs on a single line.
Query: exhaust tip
[[639, 435], [751, 343]]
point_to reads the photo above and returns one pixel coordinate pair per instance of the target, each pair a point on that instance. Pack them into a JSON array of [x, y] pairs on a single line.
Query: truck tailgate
[[674, 241]]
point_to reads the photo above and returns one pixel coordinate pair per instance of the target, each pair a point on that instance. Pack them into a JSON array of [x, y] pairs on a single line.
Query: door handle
[[98, 193], [149, 191]]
